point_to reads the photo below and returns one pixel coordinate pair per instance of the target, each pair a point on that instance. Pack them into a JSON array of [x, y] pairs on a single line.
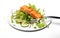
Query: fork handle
[[56, 17]]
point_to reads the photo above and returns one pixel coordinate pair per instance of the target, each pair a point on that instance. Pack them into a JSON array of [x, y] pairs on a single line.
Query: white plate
[[27, 29]]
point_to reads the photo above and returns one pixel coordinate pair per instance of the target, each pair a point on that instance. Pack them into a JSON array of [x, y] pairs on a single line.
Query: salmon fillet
[[30, 11]]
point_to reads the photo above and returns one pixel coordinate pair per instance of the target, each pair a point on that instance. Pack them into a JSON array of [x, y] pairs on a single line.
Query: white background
[[52, 7]]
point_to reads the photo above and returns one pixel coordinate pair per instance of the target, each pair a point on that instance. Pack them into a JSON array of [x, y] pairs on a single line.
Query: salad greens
[[41, 24], [23, 18], [34, 7]]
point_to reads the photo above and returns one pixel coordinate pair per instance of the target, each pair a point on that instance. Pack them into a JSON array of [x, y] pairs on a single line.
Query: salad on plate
[[28, 17]]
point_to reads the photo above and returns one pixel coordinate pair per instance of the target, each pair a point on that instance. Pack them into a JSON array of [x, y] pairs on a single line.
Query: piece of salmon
[[30, 11]]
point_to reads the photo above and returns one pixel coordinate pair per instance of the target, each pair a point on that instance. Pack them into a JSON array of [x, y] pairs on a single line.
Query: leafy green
[[40, 25], [12, 18], [34, 7], [21, 16], [35, 27]]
